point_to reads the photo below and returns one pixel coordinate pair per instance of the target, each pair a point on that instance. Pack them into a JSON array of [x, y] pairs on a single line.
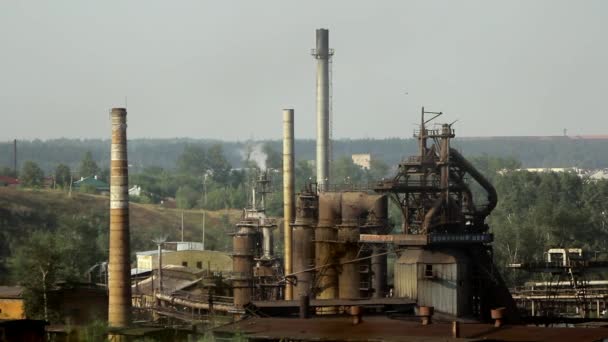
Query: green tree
[[193, 160], [88, 167], [304, 173], [31, 175], [62, 175], [65, 252], [88, 189], [274, 159], [218, 164], [378, 170], [35, 266], [186, 197], [343, 170]]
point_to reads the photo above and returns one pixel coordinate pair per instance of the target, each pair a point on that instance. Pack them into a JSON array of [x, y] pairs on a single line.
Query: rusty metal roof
[[384, 329]]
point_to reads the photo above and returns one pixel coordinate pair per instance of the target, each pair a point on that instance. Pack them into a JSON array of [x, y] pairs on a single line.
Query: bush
[[186, 197], [87, 189], [31, 175]]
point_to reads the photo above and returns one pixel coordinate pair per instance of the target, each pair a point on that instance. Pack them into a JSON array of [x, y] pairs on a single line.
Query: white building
[[362, 159]]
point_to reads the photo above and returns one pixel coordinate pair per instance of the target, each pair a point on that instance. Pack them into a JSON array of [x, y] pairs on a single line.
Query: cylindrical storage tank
[[326, 249], [119, 266], [348, 235], [243, 244], [303, 247], [349, 278]]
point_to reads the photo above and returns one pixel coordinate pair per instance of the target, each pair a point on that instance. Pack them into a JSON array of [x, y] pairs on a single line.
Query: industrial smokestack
[[288, 193], [322, 54], [119, 273]]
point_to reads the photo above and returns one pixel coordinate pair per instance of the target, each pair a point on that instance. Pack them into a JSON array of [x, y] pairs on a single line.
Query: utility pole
[[159, 242], [205, 189], [204, 214], [182, 226]]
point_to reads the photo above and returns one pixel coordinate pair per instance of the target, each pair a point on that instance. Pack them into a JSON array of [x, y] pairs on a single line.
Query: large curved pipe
[[479, 178], [426, 224]]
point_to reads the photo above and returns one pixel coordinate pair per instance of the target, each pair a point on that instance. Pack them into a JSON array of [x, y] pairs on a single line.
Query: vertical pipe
[[379, 258], [267, 242], [204, 214], [15, 158], [119, 308], [288, 192], [379, 270], [322, 54], [160, 267], [304, 306], [533, 313]]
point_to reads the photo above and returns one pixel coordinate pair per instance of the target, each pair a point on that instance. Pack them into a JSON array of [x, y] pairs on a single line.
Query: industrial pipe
[[379, 259], [479, 178], [193, 304], [288, 193], [119, 268], [267, 242]]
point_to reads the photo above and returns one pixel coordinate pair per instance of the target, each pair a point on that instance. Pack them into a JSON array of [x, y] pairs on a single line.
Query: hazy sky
[[225, 69]]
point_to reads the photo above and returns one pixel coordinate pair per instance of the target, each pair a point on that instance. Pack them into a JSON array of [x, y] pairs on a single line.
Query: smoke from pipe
[[255, 153]]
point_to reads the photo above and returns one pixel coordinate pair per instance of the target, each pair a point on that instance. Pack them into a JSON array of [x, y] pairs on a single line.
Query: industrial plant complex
[[335, 267]]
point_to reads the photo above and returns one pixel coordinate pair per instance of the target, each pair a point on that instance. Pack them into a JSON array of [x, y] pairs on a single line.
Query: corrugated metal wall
[[447, 290], [405, 281], [439, 291]]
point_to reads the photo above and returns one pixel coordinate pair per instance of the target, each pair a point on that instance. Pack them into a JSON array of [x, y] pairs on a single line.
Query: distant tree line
[[163, 153]]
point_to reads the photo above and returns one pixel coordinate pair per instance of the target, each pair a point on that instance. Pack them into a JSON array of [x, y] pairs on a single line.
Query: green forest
[[164, 153]]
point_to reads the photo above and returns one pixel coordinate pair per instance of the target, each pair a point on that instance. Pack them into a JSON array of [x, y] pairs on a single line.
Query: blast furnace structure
[[336, 244]]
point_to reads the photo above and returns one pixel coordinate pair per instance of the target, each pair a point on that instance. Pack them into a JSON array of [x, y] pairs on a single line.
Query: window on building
[[185, 263], [428, 271], [199, 264]]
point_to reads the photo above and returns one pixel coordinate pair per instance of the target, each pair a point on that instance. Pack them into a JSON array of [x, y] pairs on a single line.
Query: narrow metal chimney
[[119, 273], [323, 55], [288, 193]]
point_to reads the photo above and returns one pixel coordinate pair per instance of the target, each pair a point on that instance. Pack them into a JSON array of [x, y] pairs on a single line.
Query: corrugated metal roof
[[97, 183], [11, 292]]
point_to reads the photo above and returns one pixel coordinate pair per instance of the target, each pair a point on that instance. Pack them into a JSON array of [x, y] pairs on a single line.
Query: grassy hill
[[23, 211]]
